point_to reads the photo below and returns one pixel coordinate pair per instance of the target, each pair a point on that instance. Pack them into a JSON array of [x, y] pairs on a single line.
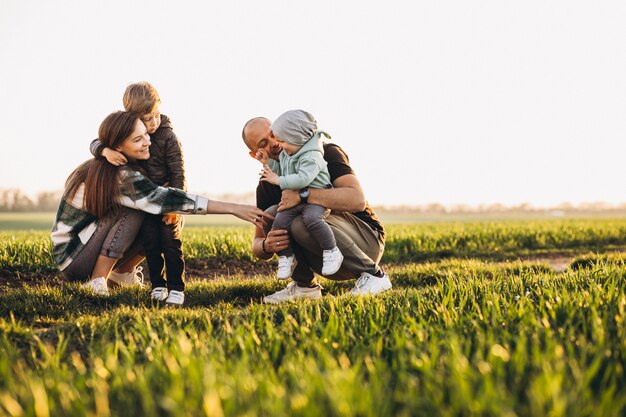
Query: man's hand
[[268, 175], [289, 199], [276, 240], [170, 218], [114, 157]]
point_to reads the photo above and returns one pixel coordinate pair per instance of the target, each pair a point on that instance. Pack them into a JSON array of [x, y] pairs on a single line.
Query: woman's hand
[[276, 240], [251, 214], [268, 175], [114, 157]]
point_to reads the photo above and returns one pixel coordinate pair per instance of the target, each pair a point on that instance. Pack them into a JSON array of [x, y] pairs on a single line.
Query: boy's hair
[[141, 98]]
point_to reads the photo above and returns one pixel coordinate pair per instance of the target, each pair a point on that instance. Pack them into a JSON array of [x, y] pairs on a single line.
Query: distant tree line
[[15, 200]]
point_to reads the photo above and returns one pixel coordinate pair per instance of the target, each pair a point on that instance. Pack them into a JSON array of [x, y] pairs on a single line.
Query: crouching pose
[[103, 205], [359, 234]]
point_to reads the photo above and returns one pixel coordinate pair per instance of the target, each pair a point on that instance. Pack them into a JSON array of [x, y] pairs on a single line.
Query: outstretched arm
[[347, 195]]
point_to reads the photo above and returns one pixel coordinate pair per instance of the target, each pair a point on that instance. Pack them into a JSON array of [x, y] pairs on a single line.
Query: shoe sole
[[383, 289], [291, 300]]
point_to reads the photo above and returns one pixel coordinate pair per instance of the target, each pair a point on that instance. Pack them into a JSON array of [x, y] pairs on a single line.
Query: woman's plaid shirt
[[73, 226]]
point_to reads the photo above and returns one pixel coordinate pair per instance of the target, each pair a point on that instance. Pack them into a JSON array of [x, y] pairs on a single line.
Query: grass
[[467, 330], [29, 252], [451, 338]]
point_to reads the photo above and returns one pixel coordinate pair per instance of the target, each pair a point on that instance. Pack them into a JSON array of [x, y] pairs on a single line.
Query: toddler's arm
[[307, 171], [268, 175], [114, 157]]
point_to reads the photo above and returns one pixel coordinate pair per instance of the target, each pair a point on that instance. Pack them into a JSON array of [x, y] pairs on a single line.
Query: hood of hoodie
[[313, 145], [166, 123]]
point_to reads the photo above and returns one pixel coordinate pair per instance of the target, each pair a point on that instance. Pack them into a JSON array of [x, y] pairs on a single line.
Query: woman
[[103, 205]]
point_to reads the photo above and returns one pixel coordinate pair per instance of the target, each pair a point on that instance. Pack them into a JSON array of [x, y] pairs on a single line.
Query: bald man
[[360, 235]]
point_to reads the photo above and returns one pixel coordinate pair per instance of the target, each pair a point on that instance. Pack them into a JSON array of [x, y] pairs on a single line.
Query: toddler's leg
[[286, 258], [151, 238], [282, 221], [173, 254], [314, 218]]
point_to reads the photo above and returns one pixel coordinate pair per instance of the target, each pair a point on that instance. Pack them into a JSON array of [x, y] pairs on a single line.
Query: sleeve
[[140, 193], [274, 166], [267, 195], [338, 162], [175, 163], [308, 168], [96, 147]]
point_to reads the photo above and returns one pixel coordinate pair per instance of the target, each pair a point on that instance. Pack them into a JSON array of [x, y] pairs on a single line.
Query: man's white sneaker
[[158, 294], [125, 279], [176, 298], [369, 284], [97, 286], [286, 265], [331, 261], [292, 292]]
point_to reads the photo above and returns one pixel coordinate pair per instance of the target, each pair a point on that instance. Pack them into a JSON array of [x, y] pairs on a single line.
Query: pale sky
[[434, 101]]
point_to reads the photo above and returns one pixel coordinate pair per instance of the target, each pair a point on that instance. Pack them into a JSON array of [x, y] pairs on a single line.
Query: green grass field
[[478, 323]]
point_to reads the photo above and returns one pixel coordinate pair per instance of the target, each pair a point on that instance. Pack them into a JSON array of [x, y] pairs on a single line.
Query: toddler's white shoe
[[286, 265], [331, 261], [97, 286], [176, 298], [158, 294]]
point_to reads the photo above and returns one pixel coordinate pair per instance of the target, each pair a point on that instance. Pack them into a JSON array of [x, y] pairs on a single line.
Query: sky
[[450, 102]]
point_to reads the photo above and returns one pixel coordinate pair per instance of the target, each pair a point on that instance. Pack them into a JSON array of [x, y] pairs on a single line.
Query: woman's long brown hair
[[102, 188]]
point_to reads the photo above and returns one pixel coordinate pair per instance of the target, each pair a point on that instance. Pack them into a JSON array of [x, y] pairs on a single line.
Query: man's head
[[257, 135], [142, 98]]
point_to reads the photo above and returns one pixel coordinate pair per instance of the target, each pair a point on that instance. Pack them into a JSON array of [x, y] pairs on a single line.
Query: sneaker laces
[[176, 297], [362, 281], [290, 288], [138, 275]]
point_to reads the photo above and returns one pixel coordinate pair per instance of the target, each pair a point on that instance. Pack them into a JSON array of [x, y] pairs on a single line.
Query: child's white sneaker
[[286, 265], [158, 294], [176, 298], [97, 286], [331, 261], [124, 279]]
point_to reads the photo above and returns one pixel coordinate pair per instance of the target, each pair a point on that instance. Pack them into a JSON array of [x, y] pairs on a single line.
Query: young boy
[[165, 167], [301, 166]]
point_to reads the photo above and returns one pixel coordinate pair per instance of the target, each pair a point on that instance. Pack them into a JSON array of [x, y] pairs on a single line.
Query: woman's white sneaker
[[176, 298], [331, 261], [369, 284], [97, 286], [292, 292], [158, 294], [125, 279]]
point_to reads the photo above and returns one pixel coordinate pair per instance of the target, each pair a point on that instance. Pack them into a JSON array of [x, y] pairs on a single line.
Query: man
[[360, 235]]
